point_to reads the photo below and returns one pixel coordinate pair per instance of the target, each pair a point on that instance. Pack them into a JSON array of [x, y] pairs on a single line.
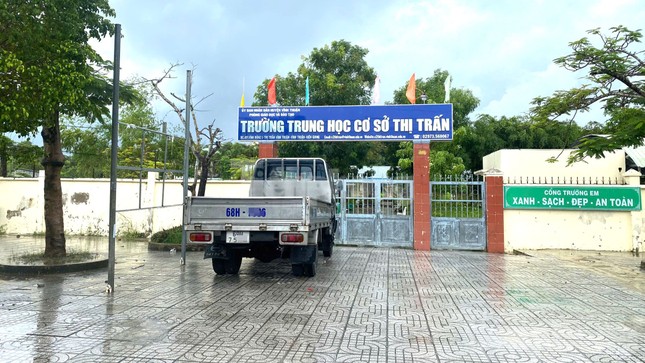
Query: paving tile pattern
[[364, 305]]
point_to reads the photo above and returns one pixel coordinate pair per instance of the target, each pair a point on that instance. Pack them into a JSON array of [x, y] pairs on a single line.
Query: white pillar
[[632, 178], [40, 225], [150, 199]]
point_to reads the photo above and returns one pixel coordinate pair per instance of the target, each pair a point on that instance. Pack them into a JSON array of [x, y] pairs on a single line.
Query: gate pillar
[[268, 150], [421, 199], [494, 211]]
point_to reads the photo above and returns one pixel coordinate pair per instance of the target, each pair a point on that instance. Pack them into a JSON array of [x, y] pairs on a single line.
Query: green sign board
[[614, 198]]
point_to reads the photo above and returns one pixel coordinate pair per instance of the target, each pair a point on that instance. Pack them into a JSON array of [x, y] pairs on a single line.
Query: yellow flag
[[242, 101]]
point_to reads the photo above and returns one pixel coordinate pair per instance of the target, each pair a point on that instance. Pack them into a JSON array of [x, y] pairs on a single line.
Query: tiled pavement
[[365, 304]]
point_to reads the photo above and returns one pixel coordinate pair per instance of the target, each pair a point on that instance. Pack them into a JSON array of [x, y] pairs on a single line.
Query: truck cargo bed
[[258, 213]]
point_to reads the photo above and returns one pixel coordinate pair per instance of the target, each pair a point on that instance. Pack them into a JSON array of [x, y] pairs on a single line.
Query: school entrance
[[380, 213], [458, 206], [375, 212]]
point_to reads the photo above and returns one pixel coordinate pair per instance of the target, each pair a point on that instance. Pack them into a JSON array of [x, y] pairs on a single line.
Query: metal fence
[[566, 180], [458, 207]]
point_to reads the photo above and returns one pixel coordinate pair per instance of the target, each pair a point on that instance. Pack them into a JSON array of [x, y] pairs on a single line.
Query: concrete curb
[[52, 269]]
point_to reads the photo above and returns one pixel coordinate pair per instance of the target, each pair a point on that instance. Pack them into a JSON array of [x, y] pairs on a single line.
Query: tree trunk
[[53, 162], [3, 164], [203, 176]]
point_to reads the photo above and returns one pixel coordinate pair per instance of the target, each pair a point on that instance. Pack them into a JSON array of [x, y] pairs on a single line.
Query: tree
[[616, 70], [445, 157], [463, 101], [27, 156], [205, 142], [48, 69], [87, 148], [442, 162], [233, 161], [338, 75], [5, 145], [488, 134]]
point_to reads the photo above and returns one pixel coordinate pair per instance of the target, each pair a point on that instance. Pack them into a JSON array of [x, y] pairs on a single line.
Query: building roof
[[637, 154]]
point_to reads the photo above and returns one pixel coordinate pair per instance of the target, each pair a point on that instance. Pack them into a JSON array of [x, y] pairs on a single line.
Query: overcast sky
[[502, 51]]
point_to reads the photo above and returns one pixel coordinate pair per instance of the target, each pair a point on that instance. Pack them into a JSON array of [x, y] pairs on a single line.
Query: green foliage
[[170, 236], [20, 159], [233, 161], [338, 75], [489, 134], [88, 147], [27, 156], [445, 158], [615, 71], [46, 63], [463, 101], [131, 234], [442, 162]]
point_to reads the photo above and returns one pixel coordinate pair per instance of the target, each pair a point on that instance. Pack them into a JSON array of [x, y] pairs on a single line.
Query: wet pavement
[[364, 305]]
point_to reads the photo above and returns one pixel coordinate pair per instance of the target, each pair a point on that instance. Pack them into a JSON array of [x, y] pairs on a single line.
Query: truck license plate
[[238, 237]]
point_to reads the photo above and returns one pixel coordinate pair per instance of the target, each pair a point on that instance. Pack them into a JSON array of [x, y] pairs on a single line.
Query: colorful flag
[[411, 93], [376, 91], [446, 87], [271, 93], [242, 100], [307, 92]]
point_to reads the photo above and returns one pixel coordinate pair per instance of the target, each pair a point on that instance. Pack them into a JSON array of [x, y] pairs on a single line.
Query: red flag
[[272, 91], [411, 93]]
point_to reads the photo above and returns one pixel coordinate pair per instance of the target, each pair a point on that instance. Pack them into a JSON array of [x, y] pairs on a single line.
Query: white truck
[[290, 213]]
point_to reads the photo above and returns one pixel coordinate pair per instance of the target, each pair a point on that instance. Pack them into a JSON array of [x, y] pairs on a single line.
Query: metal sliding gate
[[375, 212], [458, 214]]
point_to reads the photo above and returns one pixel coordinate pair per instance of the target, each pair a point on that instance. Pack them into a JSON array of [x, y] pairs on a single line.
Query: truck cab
[[293, 177]]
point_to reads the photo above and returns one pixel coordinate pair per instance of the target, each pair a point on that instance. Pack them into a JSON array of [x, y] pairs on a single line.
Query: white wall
[[566, 229], [576, 230], [86, 204], [516, 163]]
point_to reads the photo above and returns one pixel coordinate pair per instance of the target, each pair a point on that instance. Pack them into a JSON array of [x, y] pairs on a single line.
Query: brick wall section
[[421, 198], [495, 214], [268, 150]]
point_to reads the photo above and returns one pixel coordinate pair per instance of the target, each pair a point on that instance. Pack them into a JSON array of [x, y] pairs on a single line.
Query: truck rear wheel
[[310, 269], [219, 266], [327, 243], [233, 263], [328, 249], [297, 269]]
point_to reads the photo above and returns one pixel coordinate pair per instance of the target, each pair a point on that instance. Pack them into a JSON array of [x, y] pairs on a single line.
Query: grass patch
[[38, 258], [168, 236], [132, 235]]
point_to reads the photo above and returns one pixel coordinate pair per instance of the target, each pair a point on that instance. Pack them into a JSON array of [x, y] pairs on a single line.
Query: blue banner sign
[[346, 123]]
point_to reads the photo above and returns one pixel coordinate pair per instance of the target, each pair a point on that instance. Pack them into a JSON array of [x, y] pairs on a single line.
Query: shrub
[[171, 236]]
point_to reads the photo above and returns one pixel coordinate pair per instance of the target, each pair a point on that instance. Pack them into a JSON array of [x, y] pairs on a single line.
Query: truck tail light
[[200, 237], [292, 237]]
